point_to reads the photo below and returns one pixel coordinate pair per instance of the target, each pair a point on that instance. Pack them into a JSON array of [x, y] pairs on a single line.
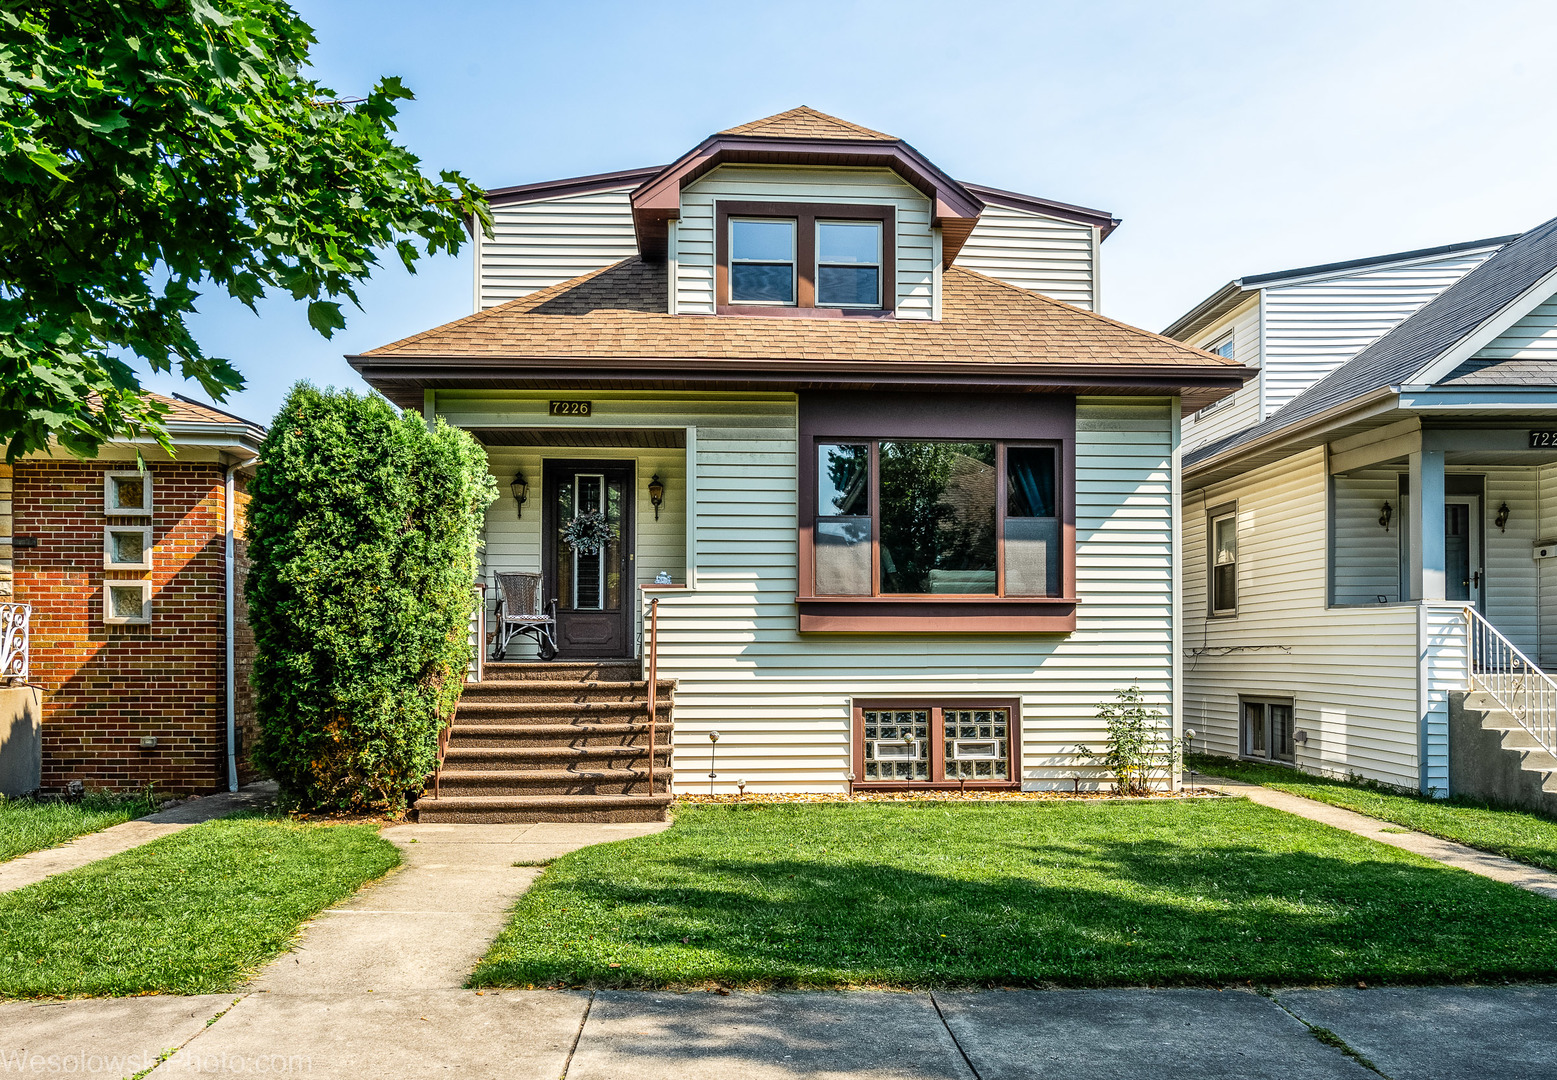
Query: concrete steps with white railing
[[1492, 756], [555, 742]]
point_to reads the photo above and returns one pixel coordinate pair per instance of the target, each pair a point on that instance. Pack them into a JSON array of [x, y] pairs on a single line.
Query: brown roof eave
[[658, 199], [1158, 378]]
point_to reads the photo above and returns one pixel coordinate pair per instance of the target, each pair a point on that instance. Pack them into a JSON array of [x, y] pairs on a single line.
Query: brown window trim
[[805, 216], [937, 744], [939, 612]]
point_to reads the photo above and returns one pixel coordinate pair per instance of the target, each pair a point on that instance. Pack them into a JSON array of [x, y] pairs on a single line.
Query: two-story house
[[1369, 524], [905, 503]]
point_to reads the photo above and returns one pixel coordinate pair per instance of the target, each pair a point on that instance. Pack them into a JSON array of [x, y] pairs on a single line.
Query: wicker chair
[[521, 609]]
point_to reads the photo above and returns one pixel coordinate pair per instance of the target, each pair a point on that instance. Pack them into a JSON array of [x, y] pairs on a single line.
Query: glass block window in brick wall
[[897, 745], [127, 494], [953, 743]]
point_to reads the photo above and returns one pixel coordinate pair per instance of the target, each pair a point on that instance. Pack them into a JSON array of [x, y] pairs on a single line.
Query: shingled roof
[[805, 122], [620, 311], [615, 320]]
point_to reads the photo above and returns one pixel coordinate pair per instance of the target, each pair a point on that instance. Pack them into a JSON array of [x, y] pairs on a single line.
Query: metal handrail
[[1498, 668], [652, 671], [15, 642]]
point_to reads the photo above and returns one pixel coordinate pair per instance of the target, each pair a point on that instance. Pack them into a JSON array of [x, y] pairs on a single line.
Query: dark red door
[[594, 588]]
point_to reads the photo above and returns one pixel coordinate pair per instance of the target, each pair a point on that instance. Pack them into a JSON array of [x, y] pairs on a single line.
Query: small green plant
[[1140, 746]]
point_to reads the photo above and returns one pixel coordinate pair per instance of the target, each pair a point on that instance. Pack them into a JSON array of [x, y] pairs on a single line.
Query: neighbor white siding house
[[1369, 565]]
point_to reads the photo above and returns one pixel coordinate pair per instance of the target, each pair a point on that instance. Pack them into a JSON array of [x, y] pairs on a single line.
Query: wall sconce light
[[656, 495], [1501, 521], [521, 489], [1385, 515]]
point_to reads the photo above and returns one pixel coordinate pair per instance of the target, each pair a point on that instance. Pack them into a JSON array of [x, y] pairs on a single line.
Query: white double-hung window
[[1224, 562], [762, 261]]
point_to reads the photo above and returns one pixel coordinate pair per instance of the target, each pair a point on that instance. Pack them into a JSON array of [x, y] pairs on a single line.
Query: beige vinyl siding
[[1350, 672], [780, 700], [1533, 337], [1239, 410], [541, 243], [1366, 557], [777, 183], [1034, 251], [1312, 327]]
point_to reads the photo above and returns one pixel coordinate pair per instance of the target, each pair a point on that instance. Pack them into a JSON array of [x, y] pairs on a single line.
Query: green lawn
[[26, 825], [1515, 834], [191, 913], [1011, 894]]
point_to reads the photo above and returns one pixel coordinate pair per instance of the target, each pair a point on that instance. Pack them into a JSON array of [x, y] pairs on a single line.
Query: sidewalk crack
[[966, 1060], [577, 1035], [1326, 1036]]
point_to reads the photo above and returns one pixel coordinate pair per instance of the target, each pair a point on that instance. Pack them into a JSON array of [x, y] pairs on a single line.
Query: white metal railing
[[15, 640], [1512, 679]]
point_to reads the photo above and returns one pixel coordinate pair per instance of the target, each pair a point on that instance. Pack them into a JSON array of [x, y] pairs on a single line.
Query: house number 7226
[[572, 408]]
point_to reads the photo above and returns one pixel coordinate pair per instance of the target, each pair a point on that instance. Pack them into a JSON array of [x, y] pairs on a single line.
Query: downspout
[[232, 685]]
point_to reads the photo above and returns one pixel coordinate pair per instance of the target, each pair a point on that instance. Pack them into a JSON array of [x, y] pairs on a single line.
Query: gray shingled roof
[[1420, 338]]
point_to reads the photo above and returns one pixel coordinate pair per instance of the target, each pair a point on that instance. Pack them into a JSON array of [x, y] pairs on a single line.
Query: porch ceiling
[[652, 438]]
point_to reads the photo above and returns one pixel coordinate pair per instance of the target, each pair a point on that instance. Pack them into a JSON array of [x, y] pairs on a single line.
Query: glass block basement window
[[128, 601], [897, 744], [976, 744]]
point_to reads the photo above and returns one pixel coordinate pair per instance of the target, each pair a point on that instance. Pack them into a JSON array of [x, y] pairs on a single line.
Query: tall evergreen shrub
[[363, 530]]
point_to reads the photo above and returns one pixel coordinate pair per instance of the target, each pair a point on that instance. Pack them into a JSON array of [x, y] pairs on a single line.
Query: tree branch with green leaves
[[150, 149]]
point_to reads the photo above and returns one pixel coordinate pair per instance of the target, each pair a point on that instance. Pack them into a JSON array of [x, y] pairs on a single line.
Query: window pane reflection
[[937, 517]]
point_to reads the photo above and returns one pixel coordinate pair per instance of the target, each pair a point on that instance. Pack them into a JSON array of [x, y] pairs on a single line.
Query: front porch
[[1453, 522]]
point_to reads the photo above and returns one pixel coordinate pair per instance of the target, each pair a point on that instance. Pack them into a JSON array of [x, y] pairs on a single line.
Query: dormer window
[[816, 260], [848, 264], [762, 261]]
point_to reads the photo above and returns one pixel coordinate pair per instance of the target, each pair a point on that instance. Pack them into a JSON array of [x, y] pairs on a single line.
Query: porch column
[[1426, 508]]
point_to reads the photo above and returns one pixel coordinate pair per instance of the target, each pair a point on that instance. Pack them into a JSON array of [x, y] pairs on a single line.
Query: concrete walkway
[[1447, 852], [32, 868], [1414, 1033], [425, 926]]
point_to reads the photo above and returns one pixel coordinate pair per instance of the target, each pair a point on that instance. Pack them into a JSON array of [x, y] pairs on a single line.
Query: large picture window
[[936, 743], [924, 517]]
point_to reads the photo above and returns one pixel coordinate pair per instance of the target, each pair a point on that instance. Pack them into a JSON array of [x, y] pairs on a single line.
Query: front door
[[1464, 578], [592, 581]]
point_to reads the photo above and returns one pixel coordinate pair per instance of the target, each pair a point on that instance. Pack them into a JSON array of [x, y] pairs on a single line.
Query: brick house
[[139, 637]]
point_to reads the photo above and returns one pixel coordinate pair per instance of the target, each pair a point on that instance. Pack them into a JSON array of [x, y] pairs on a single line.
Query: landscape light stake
[[713, 745]]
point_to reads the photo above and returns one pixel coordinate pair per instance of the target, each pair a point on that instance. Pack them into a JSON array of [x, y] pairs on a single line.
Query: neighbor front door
[[1464, 577], [594, 588]]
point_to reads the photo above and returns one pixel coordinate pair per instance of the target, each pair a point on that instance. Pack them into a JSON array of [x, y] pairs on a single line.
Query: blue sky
[[1232, 138]]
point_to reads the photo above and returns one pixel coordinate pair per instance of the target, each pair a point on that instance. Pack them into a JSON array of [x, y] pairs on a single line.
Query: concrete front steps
[[554, 742], [1492, 756]]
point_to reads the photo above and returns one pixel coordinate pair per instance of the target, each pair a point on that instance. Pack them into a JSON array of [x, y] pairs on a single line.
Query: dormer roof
[[802, 136], [804, 122]]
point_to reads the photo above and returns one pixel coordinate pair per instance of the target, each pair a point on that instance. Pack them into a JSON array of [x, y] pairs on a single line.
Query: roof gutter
[[1208, 310], [1274, 439]]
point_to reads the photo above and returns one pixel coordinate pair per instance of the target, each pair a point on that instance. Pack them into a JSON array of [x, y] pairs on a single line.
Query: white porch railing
[[15, 639], [1512, 679]]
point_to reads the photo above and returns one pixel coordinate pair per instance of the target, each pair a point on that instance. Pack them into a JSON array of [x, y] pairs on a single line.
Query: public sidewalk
[[1408, 1033], [33, 867]]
